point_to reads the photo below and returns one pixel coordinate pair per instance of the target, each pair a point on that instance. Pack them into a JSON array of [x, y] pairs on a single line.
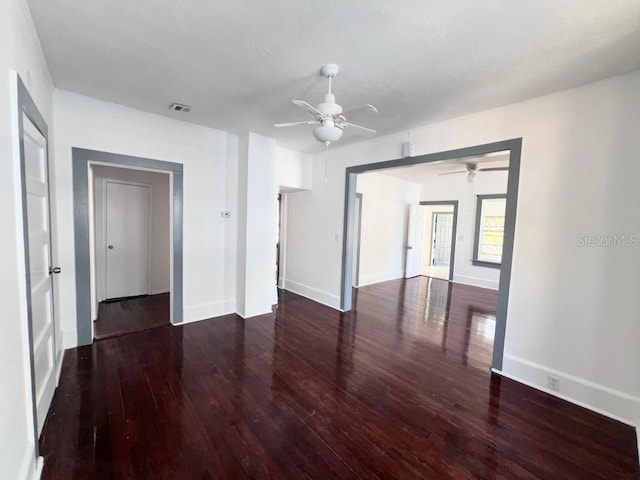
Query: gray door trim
[[357, 252], [476, 230], [27, 106], [454, 230], [514, 146], [81, 158]]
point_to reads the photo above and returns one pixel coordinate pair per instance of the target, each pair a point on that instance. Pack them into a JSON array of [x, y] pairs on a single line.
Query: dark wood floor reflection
[[131, 315], [399, 388]]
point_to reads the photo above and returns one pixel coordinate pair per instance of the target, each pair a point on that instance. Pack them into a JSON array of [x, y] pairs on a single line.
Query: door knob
[[110, 247], [53, 270]]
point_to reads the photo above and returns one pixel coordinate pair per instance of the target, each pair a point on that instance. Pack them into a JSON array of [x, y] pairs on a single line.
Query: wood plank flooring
[[398, 388], [131, 315]]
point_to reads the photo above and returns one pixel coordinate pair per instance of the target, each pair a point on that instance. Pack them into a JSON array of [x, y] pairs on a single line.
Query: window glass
[[490, 236]]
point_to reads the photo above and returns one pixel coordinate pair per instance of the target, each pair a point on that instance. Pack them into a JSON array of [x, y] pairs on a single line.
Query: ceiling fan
[[472, 170], [329, 119]]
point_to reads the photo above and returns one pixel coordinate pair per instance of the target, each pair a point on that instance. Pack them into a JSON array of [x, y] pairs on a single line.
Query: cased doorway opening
[[131, 225], [443, 222]]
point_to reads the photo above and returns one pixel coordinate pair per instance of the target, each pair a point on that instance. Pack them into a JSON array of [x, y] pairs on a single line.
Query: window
[[489, 234]]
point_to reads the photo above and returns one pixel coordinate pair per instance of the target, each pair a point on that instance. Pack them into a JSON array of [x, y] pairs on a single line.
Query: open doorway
[[132, 230], [431, 234], [438, 245], [480, 251], [84, 234]]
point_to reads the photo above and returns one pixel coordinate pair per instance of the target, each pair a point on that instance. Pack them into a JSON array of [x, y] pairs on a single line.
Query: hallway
[[131, 315]]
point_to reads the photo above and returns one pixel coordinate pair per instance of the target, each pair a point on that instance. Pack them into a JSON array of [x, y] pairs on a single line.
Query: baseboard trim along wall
[[606, 401], [475, 281], [39, 466], [253, 314], [31, 470], [373, 278], [158, 292], [320, 296], [205, 311], [59, 359], [69, 339]]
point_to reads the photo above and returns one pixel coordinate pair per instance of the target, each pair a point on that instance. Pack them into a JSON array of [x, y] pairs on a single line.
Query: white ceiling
[[238, 63], [426, 172]]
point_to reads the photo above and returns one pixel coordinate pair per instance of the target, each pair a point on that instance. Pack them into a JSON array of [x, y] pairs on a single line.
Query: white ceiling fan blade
[[365, 129], [453, 173], [356, 111], [308, 107], [293, 124]]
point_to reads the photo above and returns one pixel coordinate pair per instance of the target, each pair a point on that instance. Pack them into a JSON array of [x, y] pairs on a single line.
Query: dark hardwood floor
[[131, 315], [399, 388]]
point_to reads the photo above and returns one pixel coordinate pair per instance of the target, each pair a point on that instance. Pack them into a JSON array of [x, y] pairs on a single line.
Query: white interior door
[[442, 232], [40, 268], [127, 240], [415, 238]]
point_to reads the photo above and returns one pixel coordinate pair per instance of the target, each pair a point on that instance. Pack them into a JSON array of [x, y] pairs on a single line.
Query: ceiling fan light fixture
[[327, 134], [471, 176]]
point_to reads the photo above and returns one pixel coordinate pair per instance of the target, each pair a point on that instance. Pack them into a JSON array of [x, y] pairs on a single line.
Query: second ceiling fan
[[472, 170]]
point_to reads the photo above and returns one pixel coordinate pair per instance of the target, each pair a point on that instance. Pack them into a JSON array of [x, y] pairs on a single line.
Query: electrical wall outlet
[[553, 382]]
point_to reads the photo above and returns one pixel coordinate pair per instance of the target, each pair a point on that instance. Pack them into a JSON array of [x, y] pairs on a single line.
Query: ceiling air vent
[[178, 107]]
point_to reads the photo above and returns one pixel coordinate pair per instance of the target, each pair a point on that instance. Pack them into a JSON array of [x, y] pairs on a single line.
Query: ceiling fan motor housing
[[329, 106]]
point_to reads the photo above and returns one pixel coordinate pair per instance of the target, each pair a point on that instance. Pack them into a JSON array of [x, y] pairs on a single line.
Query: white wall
[[206, 154], [456, 187], [20, 52], [383, 237], [257, 231], [160, 241], [293, 170], [293, 174], [572, 310]]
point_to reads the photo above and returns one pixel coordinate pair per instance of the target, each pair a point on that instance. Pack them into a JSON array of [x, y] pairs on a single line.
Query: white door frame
[[27, 107], [101, 259]]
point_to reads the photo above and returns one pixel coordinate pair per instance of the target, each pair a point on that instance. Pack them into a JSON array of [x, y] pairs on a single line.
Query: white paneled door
[[415, 239], [127, 239], [40, 268], [442, 233]]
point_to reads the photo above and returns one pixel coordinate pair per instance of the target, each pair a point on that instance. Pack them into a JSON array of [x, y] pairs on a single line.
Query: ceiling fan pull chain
[[326, 161]]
